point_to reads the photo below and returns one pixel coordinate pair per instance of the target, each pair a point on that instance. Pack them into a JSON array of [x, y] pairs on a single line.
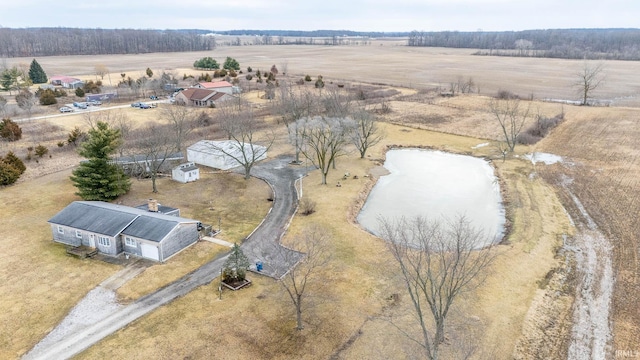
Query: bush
[[76, 136], [60, 144], [206, 63], [41, 150], [541, 128], [319, 82], [9, 130], [92, 87], [307, 206], [79, 92], [300, 81], [506, 95], [249, 69], [59, 93], [8, 174], [14, 161], [47, 97], [307, 78], [203, 119]]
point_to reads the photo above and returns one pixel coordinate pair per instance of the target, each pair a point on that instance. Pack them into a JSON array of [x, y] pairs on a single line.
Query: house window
[[79, 234], [130, 242], [60, 229], [104, 241]]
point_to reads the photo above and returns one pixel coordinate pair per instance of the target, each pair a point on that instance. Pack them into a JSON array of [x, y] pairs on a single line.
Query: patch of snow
[[545, 158], [480, 146]]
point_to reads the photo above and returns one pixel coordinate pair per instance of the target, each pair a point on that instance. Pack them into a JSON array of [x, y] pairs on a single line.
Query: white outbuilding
[[185, 173], [220, 154]]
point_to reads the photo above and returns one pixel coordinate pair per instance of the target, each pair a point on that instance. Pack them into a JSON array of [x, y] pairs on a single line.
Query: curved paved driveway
[[263, 244]]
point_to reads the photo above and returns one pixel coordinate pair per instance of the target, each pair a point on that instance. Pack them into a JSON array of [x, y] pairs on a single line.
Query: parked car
[[66, 109], [136, 104], [95, 102], [80, 105], [153, 97], [144, 106]]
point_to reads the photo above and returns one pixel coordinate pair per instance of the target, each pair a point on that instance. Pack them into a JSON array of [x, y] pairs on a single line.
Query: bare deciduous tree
[[26, 101], [154, 145], [510, 117], [3, 106], [292, 105], [366, 132], [438, 261], [337, 103], [301, 281], [588, 79], [180, 118], [241, 127], [101, 70], [324, 140]]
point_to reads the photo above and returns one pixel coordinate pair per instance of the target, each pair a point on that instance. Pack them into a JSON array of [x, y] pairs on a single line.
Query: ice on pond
[[436, 185], [546, 158]]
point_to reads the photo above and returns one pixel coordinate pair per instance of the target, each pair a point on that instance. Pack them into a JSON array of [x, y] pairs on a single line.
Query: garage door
[[149, 251]]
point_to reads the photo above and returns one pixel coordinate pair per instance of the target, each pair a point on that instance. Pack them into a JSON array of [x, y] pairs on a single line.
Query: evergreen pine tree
[[15, 161], [8, 174], [36, 73], [96, 178]]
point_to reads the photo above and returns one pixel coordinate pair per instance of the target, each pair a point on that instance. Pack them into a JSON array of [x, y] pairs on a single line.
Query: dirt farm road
[[262, 245]]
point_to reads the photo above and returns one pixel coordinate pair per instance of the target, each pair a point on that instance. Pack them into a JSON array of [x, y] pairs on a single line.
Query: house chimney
[[153, 205]]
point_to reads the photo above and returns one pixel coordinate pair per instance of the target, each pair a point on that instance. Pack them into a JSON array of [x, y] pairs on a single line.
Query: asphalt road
[[262, 245]]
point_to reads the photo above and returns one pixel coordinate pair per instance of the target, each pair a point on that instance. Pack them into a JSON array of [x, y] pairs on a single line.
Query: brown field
[[522, 310], [384, 62]]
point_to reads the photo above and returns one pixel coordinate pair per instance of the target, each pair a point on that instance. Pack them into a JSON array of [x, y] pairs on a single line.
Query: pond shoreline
[[449, 184]]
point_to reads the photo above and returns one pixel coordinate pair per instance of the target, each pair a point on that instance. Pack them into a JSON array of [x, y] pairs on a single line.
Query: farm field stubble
[[462, 115]]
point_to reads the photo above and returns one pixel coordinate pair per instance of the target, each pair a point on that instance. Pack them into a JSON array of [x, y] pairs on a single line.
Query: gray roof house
[[114, 229]]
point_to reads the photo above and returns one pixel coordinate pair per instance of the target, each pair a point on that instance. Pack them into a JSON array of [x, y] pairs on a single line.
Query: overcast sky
[[358, 15]]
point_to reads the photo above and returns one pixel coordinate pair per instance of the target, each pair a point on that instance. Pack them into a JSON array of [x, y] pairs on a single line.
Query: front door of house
[[92, 241]]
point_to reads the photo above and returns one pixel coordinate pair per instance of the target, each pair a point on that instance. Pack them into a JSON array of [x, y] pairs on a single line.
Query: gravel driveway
[[262, 245]]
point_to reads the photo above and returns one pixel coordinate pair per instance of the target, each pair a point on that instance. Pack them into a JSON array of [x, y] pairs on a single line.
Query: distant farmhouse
[[113, 229], [66, 82], [201, 97]]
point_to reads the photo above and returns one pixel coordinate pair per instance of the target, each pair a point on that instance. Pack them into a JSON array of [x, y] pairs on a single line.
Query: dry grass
[[604, 145], [349, 319], [39, 282], [220, 198]]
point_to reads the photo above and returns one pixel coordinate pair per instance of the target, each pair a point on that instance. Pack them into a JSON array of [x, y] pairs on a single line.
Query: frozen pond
[[436, 185]]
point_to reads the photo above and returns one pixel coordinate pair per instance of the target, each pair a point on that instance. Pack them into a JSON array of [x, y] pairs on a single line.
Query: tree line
[[609, 44], [73, 41]]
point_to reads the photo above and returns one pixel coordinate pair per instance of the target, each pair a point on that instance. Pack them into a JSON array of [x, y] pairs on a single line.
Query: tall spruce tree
[[96, 178], [36, 73]]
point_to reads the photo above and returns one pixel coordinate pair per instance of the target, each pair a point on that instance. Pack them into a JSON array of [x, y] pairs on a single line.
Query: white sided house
[[185, 173], [221, 154], [114, 229]]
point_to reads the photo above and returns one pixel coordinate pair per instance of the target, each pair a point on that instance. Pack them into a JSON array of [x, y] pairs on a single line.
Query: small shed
[[185, 173], [221, 154]]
